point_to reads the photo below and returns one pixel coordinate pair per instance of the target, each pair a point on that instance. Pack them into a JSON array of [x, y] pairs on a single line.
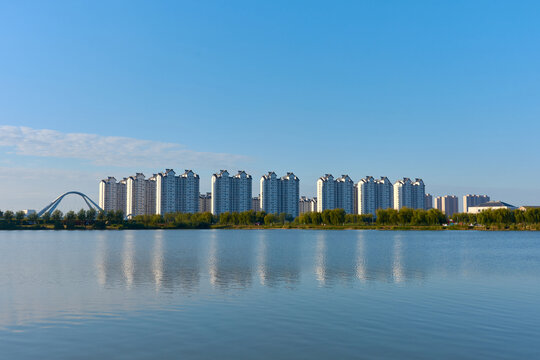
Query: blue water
[[276, 294]]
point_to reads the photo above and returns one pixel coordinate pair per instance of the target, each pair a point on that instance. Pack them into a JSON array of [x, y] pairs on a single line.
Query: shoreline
[[277, 227]]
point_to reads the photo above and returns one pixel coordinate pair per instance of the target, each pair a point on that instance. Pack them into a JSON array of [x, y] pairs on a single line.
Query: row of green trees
[[70, 219], [403, 217], [327, 217], [205, 220], [414, 217], [171, 220], [336, 217], [500, 217]]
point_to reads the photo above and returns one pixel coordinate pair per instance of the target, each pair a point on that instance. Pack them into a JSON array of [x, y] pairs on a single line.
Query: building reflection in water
[[57, 285], [335, 259], [230, 259], [182, 262], [373, 256], [361, 260], [168, 261], [128, 258], [397, 263], [102, 252], [278, 260], [140, 261], [157, 259], [320, 253], [212, 258]]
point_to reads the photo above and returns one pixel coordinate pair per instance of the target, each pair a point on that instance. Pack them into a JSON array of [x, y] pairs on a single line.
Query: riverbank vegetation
[[388, 219], [500, 219]]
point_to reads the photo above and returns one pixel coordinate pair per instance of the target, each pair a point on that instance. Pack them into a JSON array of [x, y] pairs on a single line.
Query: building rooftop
[[367, 179], [290, 176], [494, 204], [242, 172], [270, 175], [221, 173], [326, 177]]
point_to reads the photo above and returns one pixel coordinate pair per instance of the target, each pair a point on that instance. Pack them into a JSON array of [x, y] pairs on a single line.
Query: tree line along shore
[[387, 219]]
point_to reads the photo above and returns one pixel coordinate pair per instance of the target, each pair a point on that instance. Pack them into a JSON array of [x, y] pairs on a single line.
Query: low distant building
[[528, 207], [306, 205], [205, 202], [473, 200], [448, 204], [256, 204], [428, 202], [303, 205], [493, 205], [355, 199], [29, 211]]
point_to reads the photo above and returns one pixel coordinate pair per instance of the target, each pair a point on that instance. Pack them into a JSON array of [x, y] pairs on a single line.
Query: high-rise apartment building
[[241, 192], [403, 194], [409, 194], [428, 202], [121, 196], [108, 194], [418, 196], [150, 197], [112, 194], [473, 200], [326, 193], [160, 194], [165, 192], [176, 193], [367, 196], [221, 192], [374, 194], [385, 193], [448, 204], [345, 194], [136, 195], [269, 193], [187, 190], [280, 195], [231, 193], [337, 193], [289, 189]]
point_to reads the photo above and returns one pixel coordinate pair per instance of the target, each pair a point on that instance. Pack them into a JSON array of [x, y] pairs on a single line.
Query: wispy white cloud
[[108, 150]]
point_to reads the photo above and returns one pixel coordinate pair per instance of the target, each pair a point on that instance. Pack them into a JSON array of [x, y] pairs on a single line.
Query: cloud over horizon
[[114, 151]]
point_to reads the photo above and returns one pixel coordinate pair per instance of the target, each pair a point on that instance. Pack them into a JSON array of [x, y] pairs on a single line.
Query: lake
[[269, 294]]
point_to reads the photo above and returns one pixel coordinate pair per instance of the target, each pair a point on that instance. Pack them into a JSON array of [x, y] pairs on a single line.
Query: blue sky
[[446, 91]]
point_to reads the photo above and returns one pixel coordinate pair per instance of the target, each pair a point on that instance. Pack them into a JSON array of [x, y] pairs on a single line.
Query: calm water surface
[[277, 294]]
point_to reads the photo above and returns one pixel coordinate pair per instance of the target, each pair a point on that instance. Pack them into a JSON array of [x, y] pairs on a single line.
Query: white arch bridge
[[52, 206]]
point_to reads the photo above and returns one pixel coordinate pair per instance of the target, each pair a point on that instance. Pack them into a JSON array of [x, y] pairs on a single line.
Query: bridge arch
[[52, 206]]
